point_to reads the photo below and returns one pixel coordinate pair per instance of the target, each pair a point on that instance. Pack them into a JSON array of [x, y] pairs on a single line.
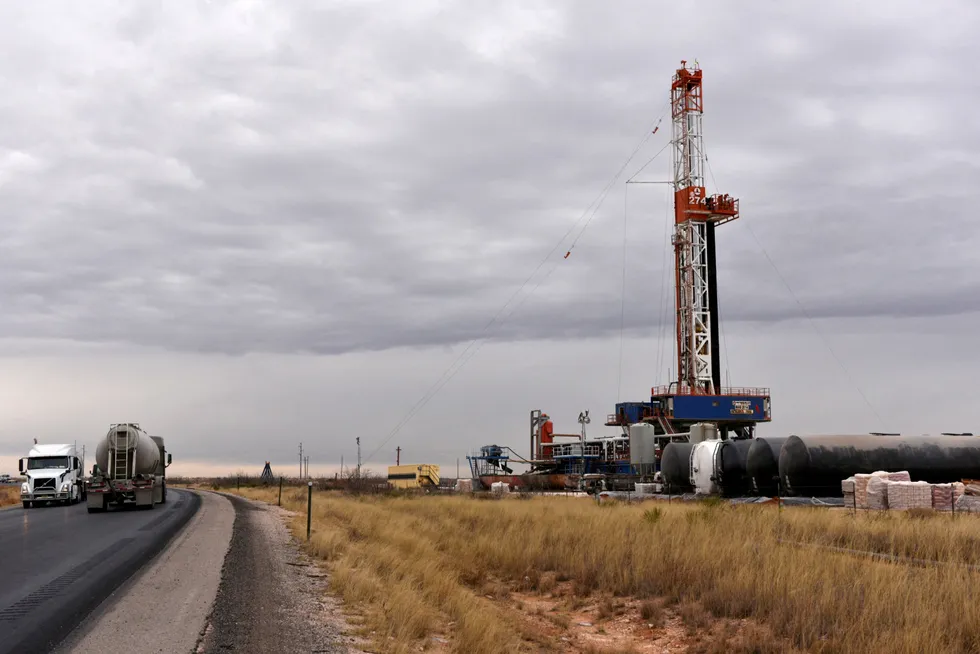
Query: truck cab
[[53, 473]]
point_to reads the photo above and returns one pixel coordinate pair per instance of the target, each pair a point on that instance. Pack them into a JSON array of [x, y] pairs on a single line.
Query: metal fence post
[[280, 491], [309, 508]]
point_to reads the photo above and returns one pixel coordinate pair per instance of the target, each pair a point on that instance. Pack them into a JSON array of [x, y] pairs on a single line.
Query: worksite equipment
[[815, 465], [762, 464], [423, 475]]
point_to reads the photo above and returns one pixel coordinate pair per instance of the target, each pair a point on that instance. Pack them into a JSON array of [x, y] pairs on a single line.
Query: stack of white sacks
[[896, 490]]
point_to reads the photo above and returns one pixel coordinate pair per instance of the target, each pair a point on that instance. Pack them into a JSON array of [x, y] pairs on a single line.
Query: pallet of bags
[[848, 486], [942, 497], [861, 490], [899, 495], [899, 476], [968, 503], [878, 490], [920, 495], [959, 489]]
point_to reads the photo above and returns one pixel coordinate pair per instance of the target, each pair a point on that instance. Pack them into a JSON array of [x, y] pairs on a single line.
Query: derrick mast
[[696, 394], [695, 217]]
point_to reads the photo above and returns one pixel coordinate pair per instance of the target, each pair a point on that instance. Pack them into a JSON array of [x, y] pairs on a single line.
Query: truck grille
[[45, 485]]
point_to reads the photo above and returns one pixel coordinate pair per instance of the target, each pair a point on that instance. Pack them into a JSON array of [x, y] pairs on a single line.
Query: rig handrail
[[752, 391]]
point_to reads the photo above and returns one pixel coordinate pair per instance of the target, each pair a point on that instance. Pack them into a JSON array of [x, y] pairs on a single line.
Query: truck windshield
[[39, 462]]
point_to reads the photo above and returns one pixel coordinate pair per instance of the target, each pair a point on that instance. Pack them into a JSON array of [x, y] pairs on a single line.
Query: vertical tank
[[704, 431], [143, 454], [675, 466], [815, 465], [762, 464], [643, 448]]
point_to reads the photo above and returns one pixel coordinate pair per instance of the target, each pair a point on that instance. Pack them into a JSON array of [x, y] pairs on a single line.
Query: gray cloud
[[226, 177]]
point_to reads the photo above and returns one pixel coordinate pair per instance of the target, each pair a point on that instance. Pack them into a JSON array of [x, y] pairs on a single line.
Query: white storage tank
[[643, 448], [705, 467], [143, 455]]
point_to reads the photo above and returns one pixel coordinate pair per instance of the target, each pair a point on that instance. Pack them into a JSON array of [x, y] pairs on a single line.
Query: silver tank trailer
[[130, 469], [144, 455]]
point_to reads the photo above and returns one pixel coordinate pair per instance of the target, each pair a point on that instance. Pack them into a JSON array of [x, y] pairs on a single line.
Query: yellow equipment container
[[417, 475]]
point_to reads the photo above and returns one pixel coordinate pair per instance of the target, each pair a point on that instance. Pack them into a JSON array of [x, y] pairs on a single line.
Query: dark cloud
[[236, 177]]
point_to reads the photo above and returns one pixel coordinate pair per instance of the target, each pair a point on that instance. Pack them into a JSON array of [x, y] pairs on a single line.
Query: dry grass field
[[561, 574], [9, 495]]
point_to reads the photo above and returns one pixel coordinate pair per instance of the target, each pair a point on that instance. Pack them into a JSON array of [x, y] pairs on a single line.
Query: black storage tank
[[734, 480], [816, 465], [762, 465], [675, 466]]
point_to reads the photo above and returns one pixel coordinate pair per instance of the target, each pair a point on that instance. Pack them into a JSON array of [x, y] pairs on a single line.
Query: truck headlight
[[64, 487], [25, 488]]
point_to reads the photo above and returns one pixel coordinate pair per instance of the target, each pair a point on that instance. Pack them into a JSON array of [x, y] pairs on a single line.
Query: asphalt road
[[58, 563]]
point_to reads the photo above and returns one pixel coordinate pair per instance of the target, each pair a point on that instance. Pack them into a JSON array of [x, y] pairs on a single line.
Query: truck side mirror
[[20, 466], [170, 458], [74, 463]]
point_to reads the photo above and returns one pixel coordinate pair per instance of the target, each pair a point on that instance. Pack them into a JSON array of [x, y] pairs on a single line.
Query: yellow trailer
[[417, 475]]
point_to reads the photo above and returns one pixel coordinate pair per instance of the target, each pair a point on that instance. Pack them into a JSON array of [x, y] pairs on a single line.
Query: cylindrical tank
[[643, 448], [675, 466], [733, 480], [706, 467], [144, 454], [815, 465], [762, 464]]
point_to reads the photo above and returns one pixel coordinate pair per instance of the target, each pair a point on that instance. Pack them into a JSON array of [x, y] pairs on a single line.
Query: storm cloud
[[283, 177]]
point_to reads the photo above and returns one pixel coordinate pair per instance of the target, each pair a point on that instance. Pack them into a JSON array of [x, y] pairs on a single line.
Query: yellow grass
[[413, 565], [9, 495]]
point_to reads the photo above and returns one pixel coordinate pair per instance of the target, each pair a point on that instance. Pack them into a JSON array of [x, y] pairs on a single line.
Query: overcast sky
[[250, 224]]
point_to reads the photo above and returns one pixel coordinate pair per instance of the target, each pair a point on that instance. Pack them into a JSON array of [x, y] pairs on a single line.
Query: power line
[[803, 310], [443, 379], [622, 299]]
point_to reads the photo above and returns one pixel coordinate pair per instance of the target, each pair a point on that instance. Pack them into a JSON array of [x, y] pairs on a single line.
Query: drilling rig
[[696, 395]]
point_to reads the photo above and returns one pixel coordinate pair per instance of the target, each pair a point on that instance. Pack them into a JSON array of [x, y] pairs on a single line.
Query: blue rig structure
[[696, 396]]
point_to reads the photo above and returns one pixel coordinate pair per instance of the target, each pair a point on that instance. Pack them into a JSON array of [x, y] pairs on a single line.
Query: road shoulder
[[272, 598], [166, 605]]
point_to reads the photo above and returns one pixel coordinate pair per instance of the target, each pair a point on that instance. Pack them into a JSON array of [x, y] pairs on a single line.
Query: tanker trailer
[[816, 465], [130, 467], [762, 464]]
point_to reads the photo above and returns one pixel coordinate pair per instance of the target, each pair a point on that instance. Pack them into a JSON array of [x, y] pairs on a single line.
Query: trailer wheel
[[163, 495]]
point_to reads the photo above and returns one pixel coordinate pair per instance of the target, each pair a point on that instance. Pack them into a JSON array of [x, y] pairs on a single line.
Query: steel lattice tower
[[695, 217]]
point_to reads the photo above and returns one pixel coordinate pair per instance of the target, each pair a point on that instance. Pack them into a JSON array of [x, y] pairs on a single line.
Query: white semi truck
[[130, 466], [54, 474]]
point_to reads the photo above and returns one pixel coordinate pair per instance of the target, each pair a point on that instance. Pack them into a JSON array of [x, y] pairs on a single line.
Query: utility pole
[[300, 460], [307, 466], [398, 455], [341, 466], [358, 457]]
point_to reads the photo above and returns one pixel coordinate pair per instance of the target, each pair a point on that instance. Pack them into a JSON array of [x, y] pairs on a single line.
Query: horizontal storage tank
[[762, 464], [675, 466], [144, 455], [706, 462], [815, 465], [734, 478]]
